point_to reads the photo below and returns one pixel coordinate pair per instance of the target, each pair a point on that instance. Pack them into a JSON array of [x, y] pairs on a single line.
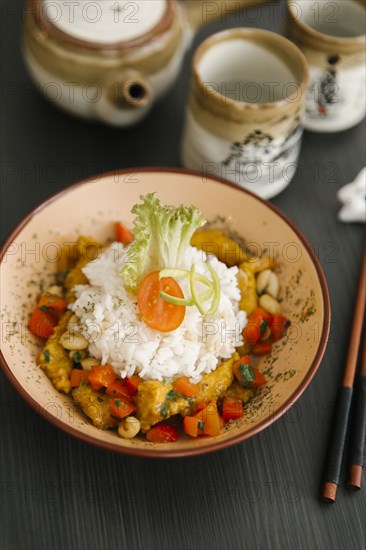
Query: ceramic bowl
[[91, 207]]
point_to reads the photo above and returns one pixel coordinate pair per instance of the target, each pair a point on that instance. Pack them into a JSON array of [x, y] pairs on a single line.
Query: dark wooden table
[[58, 493]]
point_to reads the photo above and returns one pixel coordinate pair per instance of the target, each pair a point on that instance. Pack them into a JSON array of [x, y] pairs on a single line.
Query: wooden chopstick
[[338, 433], [358, 428]]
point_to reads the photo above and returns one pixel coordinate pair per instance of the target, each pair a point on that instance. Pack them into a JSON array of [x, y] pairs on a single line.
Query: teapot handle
[[200, 12], [125, 100]]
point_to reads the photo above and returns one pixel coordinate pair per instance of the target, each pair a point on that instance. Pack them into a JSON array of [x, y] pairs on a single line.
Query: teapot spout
[[126, 98]]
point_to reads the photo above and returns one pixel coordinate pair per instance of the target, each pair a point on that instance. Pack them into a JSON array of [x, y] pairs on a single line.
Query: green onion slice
[[217, 290], [196, 300], [186, 301], [176, 301], [184, 274]]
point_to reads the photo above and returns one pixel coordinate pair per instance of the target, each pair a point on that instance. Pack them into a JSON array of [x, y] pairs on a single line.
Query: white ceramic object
[[332, 36], [112, 60], [244, 117], [353, 198]]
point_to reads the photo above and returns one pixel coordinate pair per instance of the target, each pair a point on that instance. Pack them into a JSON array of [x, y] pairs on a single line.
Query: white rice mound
[[110, 320]]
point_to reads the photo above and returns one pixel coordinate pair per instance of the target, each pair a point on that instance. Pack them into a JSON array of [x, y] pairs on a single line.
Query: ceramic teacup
[[332, 37], [244, 117]]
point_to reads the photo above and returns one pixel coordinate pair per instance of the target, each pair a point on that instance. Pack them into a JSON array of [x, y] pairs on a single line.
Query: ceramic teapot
[[111, 60]]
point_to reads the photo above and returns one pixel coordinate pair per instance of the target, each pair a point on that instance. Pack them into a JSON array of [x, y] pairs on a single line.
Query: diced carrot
[[121, 408], [101, 376], [262, 348], [279, 327], [185, 387], [259, 379], [245, 360], [133, 382], [42, 323], [53, 304], [192, 426], [78, 376], [162, 433], [210, 418], [124, 235], [232, 408], [120, 388]]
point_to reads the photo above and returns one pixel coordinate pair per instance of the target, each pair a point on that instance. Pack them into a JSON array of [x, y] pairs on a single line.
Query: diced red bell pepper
[[124, 235], [246, 375], [256, 325], [162, 433], [78, 376], [42, 323], [259, 379], [279, 327], [101, 376], [121, 408], [262, 348], [133, 382], [120, 388], [52, 304], [245, 360], [232, 408]]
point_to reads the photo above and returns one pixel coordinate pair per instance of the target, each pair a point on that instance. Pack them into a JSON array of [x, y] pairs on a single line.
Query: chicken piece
[[213, 385], [236, 390], [213, 241], [95, 405], [54, 360], [68, 257], [157, 401], [256, 265], [88, 250], [247, 287]]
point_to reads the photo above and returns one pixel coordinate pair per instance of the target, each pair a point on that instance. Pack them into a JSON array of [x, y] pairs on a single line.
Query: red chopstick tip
[[354, 480], [329, 492]]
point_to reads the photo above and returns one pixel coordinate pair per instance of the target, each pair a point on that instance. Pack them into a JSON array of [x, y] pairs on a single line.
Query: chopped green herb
[[247, 375], [172, 395], [164, 410], [263, 327], [168, 381], [47, 356], [100, 399], [201, 425], [118, 402], [44, 309], [77, 357]]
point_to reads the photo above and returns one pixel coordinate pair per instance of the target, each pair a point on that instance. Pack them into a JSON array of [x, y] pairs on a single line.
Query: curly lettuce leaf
[[162, 235]]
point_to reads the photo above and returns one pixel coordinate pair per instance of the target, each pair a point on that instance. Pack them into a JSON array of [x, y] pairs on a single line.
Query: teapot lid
[[104, 23]]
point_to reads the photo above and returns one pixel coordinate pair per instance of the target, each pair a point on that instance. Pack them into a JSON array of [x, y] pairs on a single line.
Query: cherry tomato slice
[[156, 312]]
